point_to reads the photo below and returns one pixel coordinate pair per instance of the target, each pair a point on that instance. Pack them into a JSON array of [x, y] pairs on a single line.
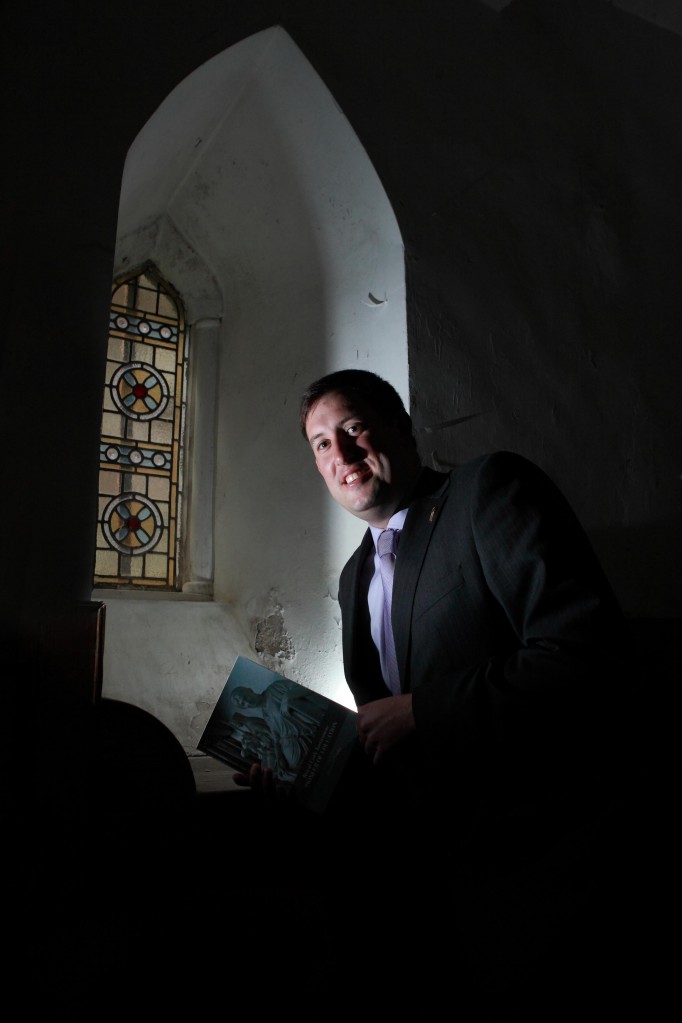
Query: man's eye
[[354, 428], [322, 445]]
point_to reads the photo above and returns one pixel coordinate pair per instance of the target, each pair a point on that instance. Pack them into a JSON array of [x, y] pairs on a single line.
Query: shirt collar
[[396, 521]]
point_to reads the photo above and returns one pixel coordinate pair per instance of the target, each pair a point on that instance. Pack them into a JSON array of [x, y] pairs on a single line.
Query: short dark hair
[[369, 387]]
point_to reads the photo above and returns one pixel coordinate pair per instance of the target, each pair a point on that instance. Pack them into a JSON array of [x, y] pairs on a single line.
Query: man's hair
[[371, 389]]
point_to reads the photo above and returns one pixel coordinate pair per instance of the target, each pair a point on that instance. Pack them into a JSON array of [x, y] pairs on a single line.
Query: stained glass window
[[141, 457]]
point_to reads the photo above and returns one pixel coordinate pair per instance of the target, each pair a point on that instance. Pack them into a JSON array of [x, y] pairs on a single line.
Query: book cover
[[305, 737]]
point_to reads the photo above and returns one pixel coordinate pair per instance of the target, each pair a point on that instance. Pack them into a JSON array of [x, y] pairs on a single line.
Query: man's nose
[[346, 448]]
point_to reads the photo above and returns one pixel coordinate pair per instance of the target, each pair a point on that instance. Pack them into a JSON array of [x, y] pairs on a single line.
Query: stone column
[[200, 465]]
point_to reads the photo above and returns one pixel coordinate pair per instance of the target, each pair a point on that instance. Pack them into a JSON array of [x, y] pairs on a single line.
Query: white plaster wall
[[170, 657], [251, 163]]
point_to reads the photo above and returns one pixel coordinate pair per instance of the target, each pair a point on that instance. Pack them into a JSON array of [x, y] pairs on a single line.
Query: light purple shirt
[[375, 594]]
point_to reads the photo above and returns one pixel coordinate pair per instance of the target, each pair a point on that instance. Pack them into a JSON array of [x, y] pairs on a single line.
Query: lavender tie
[[387, 545]]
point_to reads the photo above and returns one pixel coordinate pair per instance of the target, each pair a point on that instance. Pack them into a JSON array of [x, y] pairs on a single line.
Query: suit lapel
[[357, 626], [416, 536]]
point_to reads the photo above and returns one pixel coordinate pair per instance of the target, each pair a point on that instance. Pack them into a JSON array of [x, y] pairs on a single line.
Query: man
[[513, 664]]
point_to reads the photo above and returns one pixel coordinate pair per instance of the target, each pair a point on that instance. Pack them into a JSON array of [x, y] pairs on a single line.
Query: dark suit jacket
[[510, 640]]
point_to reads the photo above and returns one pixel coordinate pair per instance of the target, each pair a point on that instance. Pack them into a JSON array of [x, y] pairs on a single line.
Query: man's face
[[367, 464]]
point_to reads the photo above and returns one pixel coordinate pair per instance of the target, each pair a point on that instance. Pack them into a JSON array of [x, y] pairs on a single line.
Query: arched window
[[140, 480]]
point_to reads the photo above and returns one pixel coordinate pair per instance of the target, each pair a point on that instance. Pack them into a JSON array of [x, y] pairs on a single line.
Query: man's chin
[[359, 504], [365, 506]]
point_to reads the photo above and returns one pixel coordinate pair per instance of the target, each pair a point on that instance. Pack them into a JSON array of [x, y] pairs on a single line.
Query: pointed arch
[[249, 189]]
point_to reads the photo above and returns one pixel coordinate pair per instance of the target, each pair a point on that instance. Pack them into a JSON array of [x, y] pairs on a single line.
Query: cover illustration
[[305, 737]]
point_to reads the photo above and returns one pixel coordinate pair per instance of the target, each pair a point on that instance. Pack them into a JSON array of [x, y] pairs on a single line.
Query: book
[[305, 737]]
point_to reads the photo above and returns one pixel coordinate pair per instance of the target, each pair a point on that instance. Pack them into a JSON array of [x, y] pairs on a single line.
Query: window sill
[[176, 595]]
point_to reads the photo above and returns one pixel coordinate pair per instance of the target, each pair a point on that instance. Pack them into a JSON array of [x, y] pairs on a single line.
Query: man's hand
[[383, 723]]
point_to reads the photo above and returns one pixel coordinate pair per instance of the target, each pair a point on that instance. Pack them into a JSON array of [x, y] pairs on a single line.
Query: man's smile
[[363, 473]]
